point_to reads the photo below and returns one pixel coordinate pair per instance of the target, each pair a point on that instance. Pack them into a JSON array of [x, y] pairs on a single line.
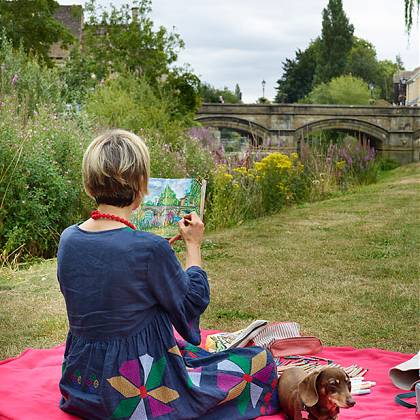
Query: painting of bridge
[[167, 202]]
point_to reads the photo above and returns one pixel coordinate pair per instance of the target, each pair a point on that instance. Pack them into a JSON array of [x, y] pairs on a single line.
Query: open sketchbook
[[167, 202], [223, 341]]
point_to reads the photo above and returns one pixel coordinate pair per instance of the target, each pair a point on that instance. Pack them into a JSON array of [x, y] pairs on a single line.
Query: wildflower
[[241, 170], [340, 165], [294, 156], [228, 177], [14, 80]]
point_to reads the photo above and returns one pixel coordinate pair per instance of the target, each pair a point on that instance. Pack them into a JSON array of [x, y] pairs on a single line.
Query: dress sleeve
[[183, 294]]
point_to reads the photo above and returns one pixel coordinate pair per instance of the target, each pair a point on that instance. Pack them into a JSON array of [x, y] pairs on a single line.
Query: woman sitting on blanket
[[124, 290]]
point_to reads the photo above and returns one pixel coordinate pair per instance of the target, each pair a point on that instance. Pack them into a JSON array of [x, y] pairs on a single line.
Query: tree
[[298, 75], [118, 40], [343, 90], [238, 93], [210, 94], [384, 78], [31, 24], [336, 42], [362, 61], [409, 6], [124, 40]]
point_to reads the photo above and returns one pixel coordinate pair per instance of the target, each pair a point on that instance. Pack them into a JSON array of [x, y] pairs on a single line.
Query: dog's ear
[[307, 389]]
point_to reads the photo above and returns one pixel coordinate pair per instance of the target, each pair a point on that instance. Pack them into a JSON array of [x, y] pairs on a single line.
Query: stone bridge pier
[[393, 131]]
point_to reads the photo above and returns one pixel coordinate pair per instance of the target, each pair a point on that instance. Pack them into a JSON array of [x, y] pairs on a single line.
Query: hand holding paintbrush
[[186, 220], [191, 230]]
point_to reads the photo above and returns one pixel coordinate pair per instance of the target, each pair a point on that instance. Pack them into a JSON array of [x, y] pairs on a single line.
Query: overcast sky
[[245, 41]]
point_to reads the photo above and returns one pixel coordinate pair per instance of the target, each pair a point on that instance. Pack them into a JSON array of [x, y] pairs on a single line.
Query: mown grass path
[[346, 269]]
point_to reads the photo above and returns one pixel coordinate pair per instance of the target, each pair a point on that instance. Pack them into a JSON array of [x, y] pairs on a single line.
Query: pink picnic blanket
[[29, 384]]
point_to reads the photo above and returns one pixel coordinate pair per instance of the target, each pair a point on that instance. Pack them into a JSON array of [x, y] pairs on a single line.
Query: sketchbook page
[[224, 341], [249, 333], [167, 202], [202, 198]]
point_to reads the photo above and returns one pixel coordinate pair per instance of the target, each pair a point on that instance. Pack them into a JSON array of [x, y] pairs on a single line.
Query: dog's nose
[[350, 402]]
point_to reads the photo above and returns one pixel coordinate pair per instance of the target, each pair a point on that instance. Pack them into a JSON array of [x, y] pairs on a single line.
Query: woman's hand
[[191, 229]]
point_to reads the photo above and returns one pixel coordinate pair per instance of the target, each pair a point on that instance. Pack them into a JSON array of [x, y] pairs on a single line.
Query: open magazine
[[166, 204], [223, 341]]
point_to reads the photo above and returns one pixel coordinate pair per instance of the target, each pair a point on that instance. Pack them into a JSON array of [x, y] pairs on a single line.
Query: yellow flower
[[294, 156], [274, 160], [340, 164], [228, 177], [241, 170]]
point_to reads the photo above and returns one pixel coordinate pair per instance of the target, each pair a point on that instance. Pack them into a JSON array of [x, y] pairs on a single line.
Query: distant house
[[407, 87], [72, 18]]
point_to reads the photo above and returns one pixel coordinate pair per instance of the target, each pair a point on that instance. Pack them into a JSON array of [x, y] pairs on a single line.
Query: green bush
[[40, 173], [387, 164], [269, 185], [343, 90], [32, 83], [232, 198], [131, 103]]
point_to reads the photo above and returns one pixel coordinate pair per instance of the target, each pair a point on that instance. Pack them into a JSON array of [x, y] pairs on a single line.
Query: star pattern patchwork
[[138, 395], [240, 381]]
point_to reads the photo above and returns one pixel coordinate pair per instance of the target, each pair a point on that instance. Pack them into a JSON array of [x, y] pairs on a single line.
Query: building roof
[[403, 74]]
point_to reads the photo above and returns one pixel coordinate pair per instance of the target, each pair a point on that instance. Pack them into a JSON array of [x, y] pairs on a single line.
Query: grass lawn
[[346, 269]]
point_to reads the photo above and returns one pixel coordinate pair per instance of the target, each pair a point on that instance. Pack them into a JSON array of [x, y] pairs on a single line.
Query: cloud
[[246, 41]]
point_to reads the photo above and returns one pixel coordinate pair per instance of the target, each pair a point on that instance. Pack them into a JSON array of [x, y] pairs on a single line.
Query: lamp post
[[263, 86]]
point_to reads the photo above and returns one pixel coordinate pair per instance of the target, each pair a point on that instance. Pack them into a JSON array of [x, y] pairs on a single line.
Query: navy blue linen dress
[[124, 290]]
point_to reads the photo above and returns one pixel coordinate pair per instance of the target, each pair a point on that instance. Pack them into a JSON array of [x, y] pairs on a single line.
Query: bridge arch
[[378, 134], [257, 132]]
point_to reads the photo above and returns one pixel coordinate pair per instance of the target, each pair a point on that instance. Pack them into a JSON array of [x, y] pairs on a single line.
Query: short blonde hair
[[116, 168]]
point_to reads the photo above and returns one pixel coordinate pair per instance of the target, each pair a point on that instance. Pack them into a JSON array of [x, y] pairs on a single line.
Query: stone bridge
[[393, 131]]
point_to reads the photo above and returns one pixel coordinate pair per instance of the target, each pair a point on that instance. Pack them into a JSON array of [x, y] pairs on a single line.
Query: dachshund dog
[[321, 393]]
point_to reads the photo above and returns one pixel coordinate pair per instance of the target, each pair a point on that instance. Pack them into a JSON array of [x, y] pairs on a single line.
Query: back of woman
[[125, 290]]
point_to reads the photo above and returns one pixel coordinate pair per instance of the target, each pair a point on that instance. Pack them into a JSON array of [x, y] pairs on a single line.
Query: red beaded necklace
[[96, 214]]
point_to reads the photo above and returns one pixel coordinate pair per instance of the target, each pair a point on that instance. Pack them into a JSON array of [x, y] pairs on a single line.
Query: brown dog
[[321, 393]]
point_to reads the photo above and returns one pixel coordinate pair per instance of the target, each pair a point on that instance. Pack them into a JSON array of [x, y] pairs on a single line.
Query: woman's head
[[116, 168]]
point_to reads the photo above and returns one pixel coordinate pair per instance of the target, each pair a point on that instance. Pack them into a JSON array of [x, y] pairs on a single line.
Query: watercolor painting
[[167, 202]]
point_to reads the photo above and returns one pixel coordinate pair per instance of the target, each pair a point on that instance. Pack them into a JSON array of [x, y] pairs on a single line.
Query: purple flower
[[15, 78]]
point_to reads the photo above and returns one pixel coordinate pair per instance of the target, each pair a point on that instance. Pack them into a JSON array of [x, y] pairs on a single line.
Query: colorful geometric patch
[[194, 376], [189, 350], [239, 383], [138, 394]]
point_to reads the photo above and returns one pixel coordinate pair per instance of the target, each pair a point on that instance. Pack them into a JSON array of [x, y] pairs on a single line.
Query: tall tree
[[298, 75], [238, 93], [31, 23], [409, 6], [336, 42], [362, 61]]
